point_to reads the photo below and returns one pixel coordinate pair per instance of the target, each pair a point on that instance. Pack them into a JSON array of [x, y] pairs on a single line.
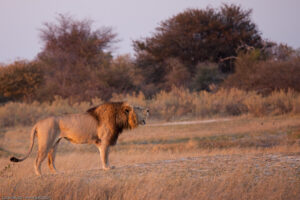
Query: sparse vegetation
[[241, 158]]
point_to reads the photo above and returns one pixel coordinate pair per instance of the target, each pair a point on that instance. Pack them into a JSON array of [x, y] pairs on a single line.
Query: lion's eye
[[127, 111]]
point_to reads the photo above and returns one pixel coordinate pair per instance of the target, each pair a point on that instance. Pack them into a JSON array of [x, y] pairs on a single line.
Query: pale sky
[[21, 20]]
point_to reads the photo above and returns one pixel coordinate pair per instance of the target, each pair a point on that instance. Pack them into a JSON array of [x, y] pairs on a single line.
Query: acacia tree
[[195, 36], [73, 57]]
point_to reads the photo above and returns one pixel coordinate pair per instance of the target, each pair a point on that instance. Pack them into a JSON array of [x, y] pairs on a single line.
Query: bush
[[20, 81], [264, 77]]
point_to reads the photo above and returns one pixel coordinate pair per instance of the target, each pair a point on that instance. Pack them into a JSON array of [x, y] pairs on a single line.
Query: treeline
[[198, 49]]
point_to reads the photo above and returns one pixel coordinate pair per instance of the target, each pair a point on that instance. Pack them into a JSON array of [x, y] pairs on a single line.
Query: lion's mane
[[116, 117]]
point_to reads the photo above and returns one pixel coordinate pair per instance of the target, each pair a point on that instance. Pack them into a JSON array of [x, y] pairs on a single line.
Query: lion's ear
[[127, 109], [93, 112], [132, 118]]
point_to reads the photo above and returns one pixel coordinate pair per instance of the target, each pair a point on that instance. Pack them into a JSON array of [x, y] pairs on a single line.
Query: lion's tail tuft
[[14, 159]]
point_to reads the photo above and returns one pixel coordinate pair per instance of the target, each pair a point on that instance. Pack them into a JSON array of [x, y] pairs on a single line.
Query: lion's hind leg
[[47, 132], [40, 158], [51, 156]]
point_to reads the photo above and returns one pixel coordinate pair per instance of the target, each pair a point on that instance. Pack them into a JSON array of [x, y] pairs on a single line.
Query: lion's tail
[[32, 136]]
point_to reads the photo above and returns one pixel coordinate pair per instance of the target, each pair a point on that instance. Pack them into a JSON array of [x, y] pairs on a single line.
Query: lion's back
[[79, 121]]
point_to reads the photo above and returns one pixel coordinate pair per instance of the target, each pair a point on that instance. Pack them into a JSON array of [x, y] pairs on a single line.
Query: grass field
[[232, 158]]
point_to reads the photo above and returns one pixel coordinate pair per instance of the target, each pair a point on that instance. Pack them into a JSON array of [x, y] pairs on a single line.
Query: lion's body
[[78, 128], [100, 125]]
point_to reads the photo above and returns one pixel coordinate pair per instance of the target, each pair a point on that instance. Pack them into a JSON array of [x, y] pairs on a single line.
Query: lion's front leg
[[104, 151]]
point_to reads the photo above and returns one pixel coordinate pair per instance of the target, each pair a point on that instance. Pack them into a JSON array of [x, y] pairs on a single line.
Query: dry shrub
[[296, 104], [279, 102], [174, 104], [223, 102], [253, 74], [180, 103], [20, 81]]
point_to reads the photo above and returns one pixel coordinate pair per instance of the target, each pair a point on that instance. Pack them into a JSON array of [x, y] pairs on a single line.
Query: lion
[[100, 125]]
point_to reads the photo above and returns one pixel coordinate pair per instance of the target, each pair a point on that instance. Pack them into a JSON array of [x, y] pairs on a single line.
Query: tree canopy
[[195, 36], [75, 56]]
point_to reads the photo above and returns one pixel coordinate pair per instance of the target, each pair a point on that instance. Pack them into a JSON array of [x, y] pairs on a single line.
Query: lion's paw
[[108, 168]]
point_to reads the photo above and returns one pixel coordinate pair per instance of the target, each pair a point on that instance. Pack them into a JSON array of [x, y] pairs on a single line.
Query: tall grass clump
[[171, 105], [277, 103], [133, 99], [223, 102]]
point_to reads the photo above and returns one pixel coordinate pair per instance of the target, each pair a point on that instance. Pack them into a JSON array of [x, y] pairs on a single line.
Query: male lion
[[100, 125]]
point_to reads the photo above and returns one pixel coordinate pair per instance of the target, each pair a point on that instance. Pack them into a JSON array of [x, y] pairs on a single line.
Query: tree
[[73, 57], [20, 81], [195, 36]]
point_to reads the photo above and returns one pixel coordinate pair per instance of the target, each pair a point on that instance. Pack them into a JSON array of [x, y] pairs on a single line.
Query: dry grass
[[178, 104], [239, 158], [20, 114]]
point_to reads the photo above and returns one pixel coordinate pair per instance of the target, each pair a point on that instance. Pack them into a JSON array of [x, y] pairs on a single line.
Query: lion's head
[[142, 114], [134, 115]]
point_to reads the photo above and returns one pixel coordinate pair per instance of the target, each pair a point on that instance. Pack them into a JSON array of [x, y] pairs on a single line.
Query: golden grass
[[240, 158]]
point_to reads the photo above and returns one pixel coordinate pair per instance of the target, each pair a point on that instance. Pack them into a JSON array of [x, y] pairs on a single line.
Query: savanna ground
[[232, 158]]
